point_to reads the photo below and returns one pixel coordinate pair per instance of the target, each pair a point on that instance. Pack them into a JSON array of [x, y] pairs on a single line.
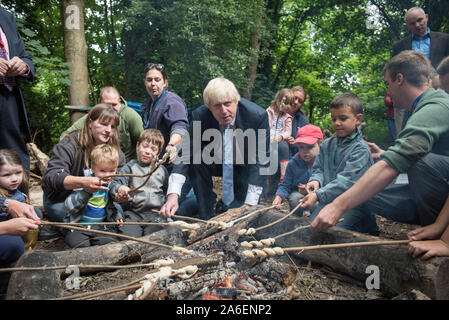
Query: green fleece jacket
[[129, 130], [427, 130]]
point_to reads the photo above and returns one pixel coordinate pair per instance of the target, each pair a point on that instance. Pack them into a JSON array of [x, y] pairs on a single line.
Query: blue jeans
[[358, 219], [11, 247], [56, 211]]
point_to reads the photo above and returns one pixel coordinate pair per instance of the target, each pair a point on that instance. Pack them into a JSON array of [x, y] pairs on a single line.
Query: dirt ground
[[312, 282]]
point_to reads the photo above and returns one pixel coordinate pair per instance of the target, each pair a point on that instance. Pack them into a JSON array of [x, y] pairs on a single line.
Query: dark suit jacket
[[17, 49], [439, 47], [248, 116]]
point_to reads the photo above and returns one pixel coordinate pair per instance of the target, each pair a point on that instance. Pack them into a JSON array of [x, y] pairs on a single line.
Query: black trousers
[[428, 180], [11, 135], [201, 177]]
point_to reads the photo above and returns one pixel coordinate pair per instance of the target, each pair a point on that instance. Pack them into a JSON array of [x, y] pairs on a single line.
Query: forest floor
[[313, 282]]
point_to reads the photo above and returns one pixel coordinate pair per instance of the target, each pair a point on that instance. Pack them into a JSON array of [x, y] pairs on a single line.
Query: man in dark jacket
[[15, 64], [434, 45], [224, 114]]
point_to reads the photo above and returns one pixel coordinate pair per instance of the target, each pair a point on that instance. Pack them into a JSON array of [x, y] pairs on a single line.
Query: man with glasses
[[130, 126]]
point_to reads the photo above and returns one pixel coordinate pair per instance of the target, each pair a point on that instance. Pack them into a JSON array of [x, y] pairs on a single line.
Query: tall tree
[[75, 49]]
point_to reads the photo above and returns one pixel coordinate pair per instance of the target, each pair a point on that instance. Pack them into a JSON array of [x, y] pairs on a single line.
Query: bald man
[[434, 45]]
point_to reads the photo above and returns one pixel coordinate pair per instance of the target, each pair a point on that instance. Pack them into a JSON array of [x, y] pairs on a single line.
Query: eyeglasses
[[158, 66]]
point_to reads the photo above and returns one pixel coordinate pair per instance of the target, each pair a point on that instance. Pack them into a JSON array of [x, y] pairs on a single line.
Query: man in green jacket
[[130, 126], [421, 151]]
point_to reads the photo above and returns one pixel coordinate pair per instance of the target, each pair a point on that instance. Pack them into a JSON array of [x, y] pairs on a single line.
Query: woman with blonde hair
[[69, 167]]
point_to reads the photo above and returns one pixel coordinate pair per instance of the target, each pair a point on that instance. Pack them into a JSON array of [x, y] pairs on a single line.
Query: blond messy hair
[[220, 89], [104, 153]]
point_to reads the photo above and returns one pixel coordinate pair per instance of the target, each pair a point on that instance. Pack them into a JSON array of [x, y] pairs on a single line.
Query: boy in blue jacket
[[299, 168], [342, 160], [93, 208]]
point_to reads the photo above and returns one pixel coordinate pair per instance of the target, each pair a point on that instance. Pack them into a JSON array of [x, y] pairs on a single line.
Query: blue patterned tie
[[7, 81], [228, 176]]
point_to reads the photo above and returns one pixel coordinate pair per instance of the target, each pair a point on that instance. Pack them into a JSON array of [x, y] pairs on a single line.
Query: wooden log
[[48, 284], [39, 158], [399, 272]]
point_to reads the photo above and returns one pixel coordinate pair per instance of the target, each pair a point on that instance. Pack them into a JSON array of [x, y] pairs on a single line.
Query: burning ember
[[229, 289]]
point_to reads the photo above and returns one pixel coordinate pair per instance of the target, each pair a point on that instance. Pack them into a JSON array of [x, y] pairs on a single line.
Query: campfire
[[216, 262]]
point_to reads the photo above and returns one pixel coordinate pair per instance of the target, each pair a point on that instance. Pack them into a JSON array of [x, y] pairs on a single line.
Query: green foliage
[[326, 46]]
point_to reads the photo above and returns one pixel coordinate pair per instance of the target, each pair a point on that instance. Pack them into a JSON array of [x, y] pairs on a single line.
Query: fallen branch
[[265, 252]]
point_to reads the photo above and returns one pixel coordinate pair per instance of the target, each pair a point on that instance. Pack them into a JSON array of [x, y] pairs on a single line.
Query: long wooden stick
[[252, 213], [103, 293], [47, 223], [86, 294], [80, 266], [279, 220], [115, 235], [297, 229], [265, 252], [346, 245]]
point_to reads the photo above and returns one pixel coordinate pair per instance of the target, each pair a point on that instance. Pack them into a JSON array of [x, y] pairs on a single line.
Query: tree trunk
[[398, 271], [75, 50], [255, 49]]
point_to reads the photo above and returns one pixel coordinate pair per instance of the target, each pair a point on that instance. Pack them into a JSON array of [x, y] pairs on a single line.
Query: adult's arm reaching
[[373, 181]]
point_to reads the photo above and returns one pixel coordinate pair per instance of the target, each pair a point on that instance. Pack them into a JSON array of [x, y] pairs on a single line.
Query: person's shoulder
[[439, 34], [200, 112], [126, 111], [6, 14], [251, 106], [173, 97]]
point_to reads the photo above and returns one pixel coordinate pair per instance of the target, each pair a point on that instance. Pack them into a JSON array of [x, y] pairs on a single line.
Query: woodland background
[[326, 46]]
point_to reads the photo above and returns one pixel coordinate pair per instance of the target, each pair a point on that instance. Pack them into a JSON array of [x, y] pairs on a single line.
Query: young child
[[342, 160], [280, 129], [13, 186], [299, 169], [93, 208], [137, 207]]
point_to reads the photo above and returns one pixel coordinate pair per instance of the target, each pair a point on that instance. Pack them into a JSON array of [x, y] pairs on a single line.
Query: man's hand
[[277, 202], [17, 67], [19, 209], [375, 150], [4, 67], [174, 153], [309, 200], [328, 217], [18, 226], [312, 186], [170, 206], [302, 189]]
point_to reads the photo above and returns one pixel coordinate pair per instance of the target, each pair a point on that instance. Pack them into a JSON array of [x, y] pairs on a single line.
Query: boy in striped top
[[97, 207]]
